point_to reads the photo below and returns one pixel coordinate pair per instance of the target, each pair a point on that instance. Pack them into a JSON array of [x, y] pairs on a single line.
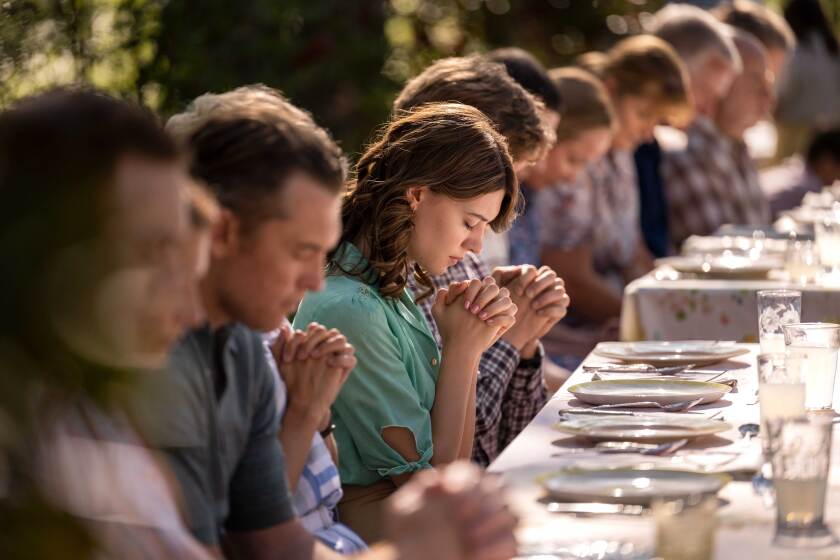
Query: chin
[[438, 269]]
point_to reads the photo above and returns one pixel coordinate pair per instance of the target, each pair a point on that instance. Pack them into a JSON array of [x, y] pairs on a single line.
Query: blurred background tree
[[342, 60]]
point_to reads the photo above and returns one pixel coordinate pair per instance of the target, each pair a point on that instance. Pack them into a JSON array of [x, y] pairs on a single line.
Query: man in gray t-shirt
[[220, 433]]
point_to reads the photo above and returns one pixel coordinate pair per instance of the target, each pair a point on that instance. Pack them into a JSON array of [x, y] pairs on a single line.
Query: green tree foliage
[[342, 60]]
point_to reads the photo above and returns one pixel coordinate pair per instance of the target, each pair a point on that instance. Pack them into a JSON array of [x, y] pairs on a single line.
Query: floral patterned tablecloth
[[684, 309]]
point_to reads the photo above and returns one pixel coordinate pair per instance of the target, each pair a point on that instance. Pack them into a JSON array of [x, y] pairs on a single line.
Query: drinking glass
[[800, 455], [802, 261], [776, 308], [781, 392], [815, 346], [685, 527], [827, 234]]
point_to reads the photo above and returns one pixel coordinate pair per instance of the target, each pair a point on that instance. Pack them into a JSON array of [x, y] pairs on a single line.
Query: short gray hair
[[695, 34]]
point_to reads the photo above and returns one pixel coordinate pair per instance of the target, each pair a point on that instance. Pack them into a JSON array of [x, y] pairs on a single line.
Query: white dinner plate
[[724, 266], [662, 391], [671, 353], [648, 428], [697, 245], [629, 486]]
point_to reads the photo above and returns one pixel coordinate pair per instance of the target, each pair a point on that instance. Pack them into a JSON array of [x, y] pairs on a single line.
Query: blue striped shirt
[[319, 489]]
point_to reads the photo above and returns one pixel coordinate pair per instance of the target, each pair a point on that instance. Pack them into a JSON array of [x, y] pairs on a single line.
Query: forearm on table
[[452, 396], [592, 297], [296, 435], [641, 264]]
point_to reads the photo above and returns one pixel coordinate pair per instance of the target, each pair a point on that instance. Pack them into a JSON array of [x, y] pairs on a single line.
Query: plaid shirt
[[599, 210], [509, 392], [712, 182]]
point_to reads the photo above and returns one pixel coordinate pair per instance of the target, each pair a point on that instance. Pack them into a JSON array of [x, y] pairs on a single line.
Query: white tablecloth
[[745, 522], [687, 309]]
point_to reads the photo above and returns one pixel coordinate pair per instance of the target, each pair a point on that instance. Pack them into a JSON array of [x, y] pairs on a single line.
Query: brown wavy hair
[[450, 148], [485, 85]]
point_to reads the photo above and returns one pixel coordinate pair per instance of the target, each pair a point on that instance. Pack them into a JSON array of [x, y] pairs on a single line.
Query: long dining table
[[657, 308], [745, 517]]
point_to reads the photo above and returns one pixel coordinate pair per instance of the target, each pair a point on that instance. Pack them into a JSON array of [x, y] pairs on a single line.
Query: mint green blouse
[[393, 383]]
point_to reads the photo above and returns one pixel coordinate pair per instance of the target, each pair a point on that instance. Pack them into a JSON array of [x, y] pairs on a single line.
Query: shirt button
[[434, 362]]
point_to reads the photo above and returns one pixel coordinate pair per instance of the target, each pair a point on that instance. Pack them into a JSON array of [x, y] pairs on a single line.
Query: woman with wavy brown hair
[[424, 194]]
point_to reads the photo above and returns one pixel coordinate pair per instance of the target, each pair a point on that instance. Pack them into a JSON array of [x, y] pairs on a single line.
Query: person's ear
[[415, 196], [226, 235]]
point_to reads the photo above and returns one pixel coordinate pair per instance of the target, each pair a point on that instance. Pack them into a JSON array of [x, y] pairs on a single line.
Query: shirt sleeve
[[509, 393], [379, 393], [496, 368], [172, 417], [526, 395], [259, 493]]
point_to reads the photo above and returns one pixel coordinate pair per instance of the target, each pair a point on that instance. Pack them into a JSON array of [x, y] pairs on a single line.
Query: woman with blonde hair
[[424, 194], [590, 230]]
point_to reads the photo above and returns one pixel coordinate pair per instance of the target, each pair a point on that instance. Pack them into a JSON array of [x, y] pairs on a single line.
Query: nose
[[311, 278], [475, 241], [313, 281]]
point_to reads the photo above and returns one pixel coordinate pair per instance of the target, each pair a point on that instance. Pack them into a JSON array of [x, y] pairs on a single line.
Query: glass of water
[[800, 455], [776, 308], [802, 261], [781, 391], [685, 527], [814, 346], [827, 234]]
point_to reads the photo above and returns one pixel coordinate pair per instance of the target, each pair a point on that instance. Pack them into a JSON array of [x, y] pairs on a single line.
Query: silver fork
[[673, 407]]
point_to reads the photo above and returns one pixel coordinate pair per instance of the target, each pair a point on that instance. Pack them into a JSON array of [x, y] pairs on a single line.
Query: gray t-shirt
[[214, 416]]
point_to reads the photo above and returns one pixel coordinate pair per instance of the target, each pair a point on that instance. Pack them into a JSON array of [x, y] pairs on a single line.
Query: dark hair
[[486, 86], [527, 71], [587, 102], [58, 153], [824, 143], [771, 30], [450, 148], [60, 140], [247, 142], [807, 18]]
